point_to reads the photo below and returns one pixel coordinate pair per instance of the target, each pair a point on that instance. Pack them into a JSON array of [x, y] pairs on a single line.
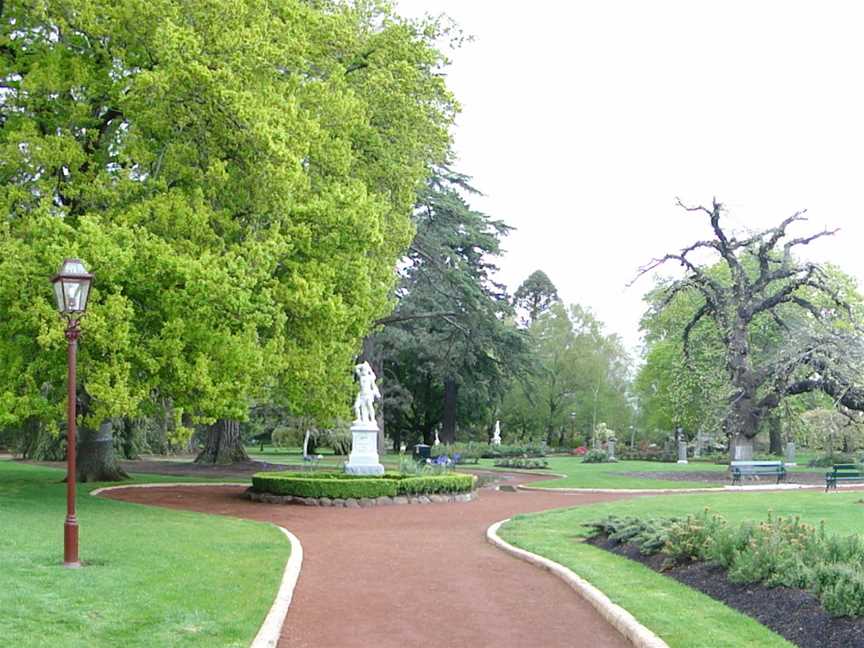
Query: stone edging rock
[[368, 502], [270, 631], [621, 619]]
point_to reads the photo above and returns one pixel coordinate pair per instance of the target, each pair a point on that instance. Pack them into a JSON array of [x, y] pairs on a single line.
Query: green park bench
[[843, 472], [741, 469]]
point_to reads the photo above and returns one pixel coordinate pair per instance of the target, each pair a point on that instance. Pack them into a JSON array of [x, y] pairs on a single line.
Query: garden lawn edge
[[618, 617], [682, 491], [270, 631]]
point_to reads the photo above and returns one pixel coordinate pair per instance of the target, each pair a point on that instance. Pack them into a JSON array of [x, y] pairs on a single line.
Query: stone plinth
[[363, 459], [682, 452], [790, 454]]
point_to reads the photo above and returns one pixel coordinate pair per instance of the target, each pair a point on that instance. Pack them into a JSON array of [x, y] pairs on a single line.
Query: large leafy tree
[[775, 326], [448, 350], [579, 378], [239, 175], [535, 296]]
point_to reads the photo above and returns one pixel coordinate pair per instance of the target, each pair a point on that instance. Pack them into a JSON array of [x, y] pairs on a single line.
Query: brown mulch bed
[[794, 614]]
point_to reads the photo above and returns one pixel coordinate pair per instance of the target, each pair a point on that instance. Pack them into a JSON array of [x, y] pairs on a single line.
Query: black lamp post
[[71, 289]]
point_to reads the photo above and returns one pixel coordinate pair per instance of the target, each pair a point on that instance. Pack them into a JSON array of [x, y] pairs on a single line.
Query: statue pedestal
[[363, 459]]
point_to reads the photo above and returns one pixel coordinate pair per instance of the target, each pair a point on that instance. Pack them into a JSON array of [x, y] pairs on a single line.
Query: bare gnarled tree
[[819, 356]]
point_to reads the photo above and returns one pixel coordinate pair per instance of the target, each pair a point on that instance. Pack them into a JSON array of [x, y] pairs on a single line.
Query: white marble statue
[[437, 440], [496, 436], [364, 405]]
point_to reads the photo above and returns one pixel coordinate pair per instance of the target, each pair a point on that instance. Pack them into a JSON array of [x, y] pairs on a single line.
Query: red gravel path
[[417, 575]]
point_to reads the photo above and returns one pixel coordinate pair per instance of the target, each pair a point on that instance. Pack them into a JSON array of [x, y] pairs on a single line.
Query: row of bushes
[[780, 551], [521, 462], [469, 452], [342, 486]]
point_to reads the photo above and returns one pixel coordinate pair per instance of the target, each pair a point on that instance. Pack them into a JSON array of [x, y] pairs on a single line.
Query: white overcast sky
[[582, 121]]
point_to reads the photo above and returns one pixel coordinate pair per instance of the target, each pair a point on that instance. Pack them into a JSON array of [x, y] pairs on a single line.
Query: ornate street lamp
[[71, 289]]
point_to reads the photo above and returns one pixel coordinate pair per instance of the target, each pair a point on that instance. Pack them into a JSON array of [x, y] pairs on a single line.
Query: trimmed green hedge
[[341, 486]]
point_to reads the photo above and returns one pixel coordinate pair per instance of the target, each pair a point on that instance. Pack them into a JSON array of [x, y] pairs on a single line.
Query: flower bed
[[339, 486]]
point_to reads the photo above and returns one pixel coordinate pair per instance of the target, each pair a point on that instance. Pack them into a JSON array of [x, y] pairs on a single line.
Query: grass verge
[[153, 577]]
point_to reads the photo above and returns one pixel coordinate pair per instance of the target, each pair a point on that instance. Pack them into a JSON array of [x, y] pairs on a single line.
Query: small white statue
[[437, 440], [364, 405], [496, 437]]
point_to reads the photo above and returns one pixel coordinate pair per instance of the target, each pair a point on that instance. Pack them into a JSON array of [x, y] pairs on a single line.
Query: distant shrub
[[829, 459], [520, 462], [596, 456]]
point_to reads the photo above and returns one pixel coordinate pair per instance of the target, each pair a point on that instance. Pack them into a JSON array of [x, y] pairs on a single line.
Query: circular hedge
[[342, 486]]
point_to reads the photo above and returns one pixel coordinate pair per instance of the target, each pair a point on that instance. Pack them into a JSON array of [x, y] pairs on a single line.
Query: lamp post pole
[[70, 528], [71, 290]]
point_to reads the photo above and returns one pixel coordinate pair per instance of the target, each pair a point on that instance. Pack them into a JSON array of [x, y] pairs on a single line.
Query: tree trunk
[[741, 448], [775, 435], [742, 425], [127, 434], [223, 444], [96, 459], [448, 423]]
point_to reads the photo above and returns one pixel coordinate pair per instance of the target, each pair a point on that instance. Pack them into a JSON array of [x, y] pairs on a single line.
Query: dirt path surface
[[418, 575]]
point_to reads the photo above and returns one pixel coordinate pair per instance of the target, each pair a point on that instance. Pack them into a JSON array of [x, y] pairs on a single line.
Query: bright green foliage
[[239, 176], [342, 486], [580, 379]]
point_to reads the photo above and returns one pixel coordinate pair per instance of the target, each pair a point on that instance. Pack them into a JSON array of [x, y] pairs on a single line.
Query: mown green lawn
[[683, 617], [153, 577], [609, 475]]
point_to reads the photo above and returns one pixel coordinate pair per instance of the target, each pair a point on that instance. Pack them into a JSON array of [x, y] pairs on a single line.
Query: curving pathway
[[419, 575]]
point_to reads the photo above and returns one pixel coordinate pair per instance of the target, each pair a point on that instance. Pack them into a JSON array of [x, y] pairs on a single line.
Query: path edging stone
[[270, 631], [618, 617]]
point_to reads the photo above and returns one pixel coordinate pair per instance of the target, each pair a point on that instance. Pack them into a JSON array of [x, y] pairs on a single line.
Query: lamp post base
[[70, 545]]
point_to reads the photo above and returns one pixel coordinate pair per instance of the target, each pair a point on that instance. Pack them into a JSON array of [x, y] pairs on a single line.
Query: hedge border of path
[[339, 486], [621, 619], [367, 502], [271, 629]]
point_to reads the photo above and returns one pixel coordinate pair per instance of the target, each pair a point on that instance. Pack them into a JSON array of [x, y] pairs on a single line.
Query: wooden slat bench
[[843, 472], [741, 469]]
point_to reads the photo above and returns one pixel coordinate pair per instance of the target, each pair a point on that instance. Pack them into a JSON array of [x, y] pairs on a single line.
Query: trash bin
[[422, 452]]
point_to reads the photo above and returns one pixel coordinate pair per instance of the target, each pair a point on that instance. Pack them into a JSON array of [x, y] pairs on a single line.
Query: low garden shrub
[[342, 486], [646, 454], [529, 450], [458, 453], [521, 462], [781, 551], [596, 456], [829, 459]]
